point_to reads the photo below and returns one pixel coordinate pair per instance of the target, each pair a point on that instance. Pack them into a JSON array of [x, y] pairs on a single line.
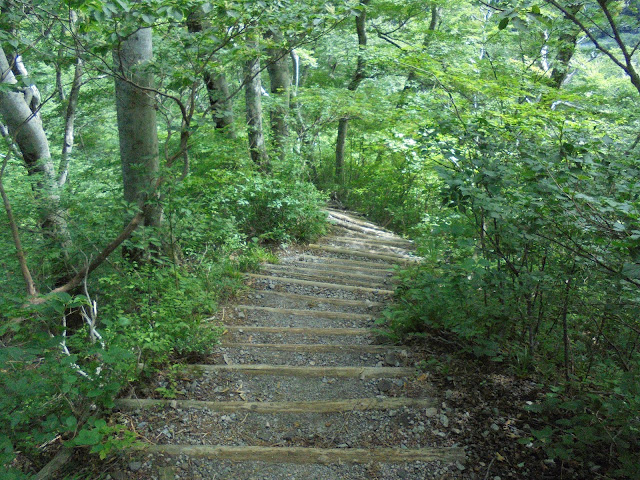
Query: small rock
[[430, 412], [135, 466], [444, 420], [460, 466], [384, 385], [241, 314], [495, 427]]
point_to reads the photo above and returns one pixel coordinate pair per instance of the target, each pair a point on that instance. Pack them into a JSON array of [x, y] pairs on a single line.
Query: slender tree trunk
[[13, 226], [59, 86], [280, 83], [217, 86], [253, 92], [25, 128], [137, 128], [358, 76], [70, 118], [341, 140]]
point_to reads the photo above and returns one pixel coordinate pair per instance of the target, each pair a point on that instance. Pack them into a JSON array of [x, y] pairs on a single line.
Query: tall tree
[[215, 83], [280, 85], [358, 76], [137, 128], [26, 130], [253, 99]]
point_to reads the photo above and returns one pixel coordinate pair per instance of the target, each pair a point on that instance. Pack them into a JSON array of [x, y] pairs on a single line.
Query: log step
[[306, 313], [302, 455], [391, 258], [309, 372], [309, 283], [319, 406]]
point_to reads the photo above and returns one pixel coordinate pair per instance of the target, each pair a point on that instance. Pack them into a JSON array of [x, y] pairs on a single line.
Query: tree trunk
[[304, 141], [70, 118], [358, 76], [566, 48], [280, 83], [137, 129], [217, 86], [253, 92], [25, 128]]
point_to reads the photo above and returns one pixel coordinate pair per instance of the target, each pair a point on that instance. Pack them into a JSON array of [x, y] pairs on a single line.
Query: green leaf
[[503, 23], [88, 438]]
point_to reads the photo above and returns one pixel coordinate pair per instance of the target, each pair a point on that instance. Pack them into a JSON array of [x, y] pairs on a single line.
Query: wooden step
[[309, 331], [298, 455], [330, 271], [319, 406], [314, 259], [273, 298], [358, 253], [306, 313], [309, 372], [315, 347], [397, 242], [309, 283], [341, 216], [364, 246], [347, 278]]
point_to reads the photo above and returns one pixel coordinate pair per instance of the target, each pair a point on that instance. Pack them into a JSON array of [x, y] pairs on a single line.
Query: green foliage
[[262, 209]]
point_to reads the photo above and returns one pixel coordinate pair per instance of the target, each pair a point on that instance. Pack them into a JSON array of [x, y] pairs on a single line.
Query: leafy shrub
[[259, 208]]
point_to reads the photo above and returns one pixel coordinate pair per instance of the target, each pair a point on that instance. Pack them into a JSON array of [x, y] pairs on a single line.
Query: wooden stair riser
[[310, 354], [335, 406], [298, 455], [344, 252], [276, 299], [348, 278], [289, 282]]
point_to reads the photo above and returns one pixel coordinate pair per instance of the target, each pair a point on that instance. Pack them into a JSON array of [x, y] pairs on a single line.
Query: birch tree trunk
[[280, 86], [358, 76], [137, 128], [253, 100], [69, 123], [25, 128]]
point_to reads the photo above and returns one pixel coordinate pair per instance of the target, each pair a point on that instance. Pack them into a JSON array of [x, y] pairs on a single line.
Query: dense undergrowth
[[58, 374]]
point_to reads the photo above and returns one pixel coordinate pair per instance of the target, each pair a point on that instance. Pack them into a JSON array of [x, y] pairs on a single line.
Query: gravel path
[[302, 387]]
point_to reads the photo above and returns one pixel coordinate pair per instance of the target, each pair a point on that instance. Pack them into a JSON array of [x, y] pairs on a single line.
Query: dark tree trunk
[[217, 86], [358, 76]]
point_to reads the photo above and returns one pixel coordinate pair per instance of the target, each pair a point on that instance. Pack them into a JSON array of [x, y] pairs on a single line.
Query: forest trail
[[302, 387]]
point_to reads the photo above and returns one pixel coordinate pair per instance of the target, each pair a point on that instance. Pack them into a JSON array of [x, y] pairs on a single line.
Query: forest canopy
[[152, 151]]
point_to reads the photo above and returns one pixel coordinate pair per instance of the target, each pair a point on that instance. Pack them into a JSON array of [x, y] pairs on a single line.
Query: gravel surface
[[413, 428], [225, 386]]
